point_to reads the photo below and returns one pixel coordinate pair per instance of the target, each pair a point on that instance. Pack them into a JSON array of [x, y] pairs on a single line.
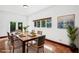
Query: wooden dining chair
[[39, 43], [10, 41], [13, 42], [39, 32]]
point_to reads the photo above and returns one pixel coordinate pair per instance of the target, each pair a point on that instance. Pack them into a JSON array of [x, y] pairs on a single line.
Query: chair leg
[[10, 49], [13, 49], [9, 46], [37, 50], [43, 49]]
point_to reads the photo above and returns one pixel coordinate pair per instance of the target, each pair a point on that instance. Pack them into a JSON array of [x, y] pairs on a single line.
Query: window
[[12, 26], [35, 24], [38, 23], [49, 23], [44, 23], [20, 26]]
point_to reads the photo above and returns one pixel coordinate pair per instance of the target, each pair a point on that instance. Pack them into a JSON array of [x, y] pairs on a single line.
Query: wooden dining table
[[25, 39]]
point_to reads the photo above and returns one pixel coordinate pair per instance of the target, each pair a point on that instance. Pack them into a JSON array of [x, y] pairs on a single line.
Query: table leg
[[27, 47], [23, 47]]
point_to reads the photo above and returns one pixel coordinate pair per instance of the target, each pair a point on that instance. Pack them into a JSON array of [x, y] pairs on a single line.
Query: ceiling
[[19, 9]]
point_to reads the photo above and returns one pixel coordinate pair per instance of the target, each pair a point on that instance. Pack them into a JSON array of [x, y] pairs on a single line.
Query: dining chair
[[39, 43], [13, 42], [10, 41], [39, 32]]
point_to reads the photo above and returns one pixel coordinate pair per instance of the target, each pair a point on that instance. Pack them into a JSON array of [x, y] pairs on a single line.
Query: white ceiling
[[19, 9]]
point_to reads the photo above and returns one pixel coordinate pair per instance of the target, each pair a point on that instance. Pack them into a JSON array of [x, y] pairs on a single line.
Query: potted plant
[[72, 34], [25, 28], [33, 33]]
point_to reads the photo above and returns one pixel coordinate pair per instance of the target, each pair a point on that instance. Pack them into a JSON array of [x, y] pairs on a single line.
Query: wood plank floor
[[56, 48]]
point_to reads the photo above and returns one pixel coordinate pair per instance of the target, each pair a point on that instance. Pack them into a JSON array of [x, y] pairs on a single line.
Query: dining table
[[25, 39]]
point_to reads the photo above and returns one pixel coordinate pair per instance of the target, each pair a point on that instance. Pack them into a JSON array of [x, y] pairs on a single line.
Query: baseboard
[[59, 43], [3, 36]]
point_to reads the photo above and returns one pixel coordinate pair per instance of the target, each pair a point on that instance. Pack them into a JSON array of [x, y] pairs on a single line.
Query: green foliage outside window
[[49, 23], [38, 23], [12, 26], [43, 23], [20, 26], [35, 24], [46, 22]]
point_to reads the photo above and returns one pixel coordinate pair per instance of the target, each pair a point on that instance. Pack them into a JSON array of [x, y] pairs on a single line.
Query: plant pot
[[73, 45], [74, 49]]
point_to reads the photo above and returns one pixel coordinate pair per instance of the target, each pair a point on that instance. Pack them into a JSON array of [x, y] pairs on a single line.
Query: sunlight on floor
[[49, 48]]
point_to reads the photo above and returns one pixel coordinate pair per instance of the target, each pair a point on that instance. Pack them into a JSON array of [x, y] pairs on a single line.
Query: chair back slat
[[40, 40], [10, 37]]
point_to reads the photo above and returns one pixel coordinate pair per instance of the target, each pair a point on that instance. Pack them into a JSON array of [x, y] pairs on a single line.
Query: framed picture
[[20, 26], [12, 26], [64, 21]]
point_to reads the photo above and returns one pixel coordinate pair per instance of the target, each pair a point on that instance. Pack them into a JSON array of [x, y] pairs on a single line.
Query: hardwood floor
[[2, 45], [56, 48]]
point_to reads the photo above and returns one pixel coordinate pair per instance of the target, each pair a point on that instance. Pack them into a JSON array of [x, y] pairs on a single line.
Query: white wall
[[59, 35], [6, 17]]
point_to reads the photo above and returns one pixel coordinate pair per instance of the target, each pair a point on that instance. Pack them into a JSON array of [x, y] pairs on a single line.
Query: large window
[[44, 23]]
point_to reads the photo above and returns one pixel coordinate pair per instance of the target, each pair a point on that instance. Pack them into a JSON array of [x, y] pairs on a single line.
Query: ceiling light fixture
[[25, 6]]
